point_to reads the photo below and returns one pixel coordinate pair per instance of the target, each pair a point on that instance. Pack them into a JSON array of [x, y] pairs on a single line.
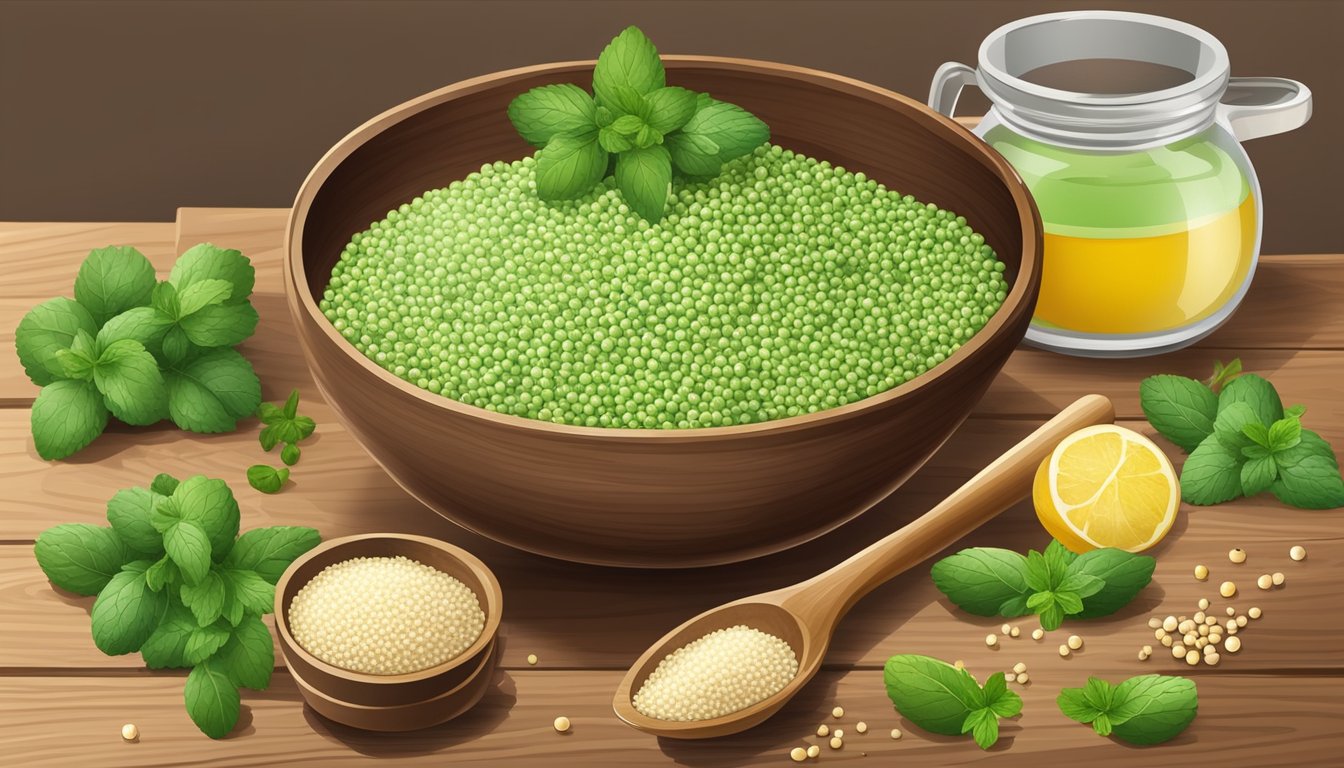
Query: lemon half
[[1107, 486]]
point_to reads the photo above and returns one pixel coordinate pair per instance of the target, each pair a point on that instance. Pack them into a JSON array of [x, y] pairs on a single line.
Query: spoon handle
[[829, 596]]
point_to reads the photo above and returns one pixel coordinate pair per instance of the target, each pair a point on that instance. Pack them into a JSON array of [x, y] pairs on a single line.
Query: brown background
[[127, 110]]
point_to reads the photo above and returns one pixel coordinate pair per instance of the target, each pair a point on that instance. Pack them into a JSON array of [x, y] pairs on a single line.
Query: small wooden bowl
[[407, 717], [365, 690], [647, 497]]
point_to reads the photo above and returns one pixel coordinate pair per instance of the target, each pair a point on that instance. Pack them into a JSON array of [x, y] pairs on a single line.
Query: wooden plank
[[581, 616], [59, 722], [40, 261]]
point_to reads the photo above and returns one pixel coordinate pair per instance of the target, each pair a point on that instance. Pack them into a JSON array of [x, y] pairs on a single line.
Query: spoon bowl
[[805, 615]]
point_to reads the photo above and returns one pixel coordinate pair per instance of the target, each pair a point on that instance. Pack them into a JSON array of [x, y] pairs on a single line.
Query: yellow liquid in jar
[[1146, 284]]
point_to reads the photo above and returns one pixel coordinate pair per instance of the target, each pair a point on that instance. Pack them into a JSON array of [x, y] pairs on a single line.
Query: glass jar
[[1126, 128]]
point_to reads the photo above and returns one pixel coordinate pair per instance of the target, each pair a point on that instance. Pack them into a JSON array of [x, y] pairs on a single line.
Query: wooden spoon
[[805, 615]]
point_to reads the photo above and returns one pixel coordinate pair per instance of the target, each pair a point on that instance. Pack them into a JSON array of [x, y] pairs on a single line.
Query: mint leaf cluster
[[1055, 584], [1148, 709], [632, 123], [132, 347], [280, 424], [940, 698], [177, 583], [1241, 440]]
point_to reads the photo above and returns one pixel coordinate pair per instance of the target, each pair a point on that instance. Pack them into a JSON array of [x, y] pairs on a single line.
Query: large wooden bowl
[[656, 498]]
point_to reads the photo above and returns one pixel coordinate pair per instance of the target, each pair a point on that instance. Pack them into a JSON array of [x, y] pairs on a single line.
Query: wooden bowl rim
[[1028, 218], [485, 665], [492, 603]]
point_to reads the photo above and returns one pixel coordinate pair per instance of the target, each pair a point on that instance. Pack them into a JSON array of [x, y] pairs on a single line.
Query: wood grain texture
[[56, 722], [40, 260], [641, 497]]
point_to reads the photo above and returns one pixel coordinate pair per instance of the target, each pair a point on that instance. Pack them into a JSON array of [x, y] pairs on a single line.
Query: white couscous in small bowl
[[397, 585]]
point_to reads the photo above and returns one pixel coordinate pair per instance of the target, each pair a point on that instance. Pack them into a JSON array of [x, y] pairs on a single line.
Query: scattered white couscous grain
[[1203, 603], [1298, 553], [561, 724], [1037, 634], [838, 712], [1020, 667], [1237, 555], [1010, 677], [991, 639], [813, 751], [861, 727], [895, 733], [1201, 572], [1242, 620], [1170, 624], [836, 742], [1253, 612], [1154, 623], [1023, 678], [798, 754], [129, 732], [1212, 659], [1231, 611], [1005, 629], [1014, 632], [725, 671], [1063, 650], [1192, 657], [385, 616], [959, 664], [532, 659], [1075, 642], [838, 734], [1143, 656], [1265, 581], [1278, 579], [1227, 589], [1232, 644], [823, 730]]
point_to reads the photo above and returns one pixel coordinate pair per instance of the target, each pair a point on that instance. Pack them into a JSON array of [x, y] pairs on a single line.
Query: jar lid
[[1080, 40]]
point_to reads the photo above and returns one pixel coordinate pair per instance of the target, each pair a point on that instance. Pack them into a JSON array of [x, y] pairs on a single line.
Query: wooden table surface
[[1277, 702]]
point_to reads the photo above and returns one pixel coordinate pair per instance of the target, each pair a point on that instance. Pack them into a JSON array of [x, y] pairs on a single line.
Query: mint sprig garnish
[[1055, 584], [175, 582], [1148, 709], [941, 698], [636, 120], [140, 350], [1241, 440]]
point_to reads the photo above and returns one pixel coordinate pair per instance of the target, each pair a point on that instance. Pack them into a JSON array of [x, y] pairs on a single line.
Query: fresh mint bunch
[[1241, 440], [1148, 709], [634, 119], [940, 698], [177, 583], [1055, 584], [141, 350]]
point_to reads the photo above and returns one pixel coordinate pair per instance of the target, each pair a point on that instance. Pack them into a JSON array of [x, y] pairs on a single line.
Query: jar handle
[[947, 84], [1264, 106]]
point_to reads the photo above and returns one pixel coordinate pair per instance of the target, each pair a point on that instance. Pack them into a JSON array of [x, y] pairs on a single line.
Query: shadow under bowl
[[645, 497], [366, 690]]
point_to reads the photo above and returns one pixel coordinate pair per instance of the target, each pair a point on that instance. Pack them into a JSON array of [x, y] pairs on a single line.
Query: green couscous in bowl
[[612, 464]]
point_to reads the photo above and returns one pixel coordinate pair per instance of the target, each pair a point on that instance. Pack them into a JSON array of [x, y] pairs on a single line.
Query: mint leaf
[[670, 108], [1212, 473], [129, 512], [212, 392], [267, 479], [1256, 392], [569, 166], [133, 389], [205, 641], [1151, 709], [80, 558], [205, 599], [188, 546], [290, 454], [734, 130], [981, 580], [628, 103], [77, 362], [175, 345], [644, 177], [46, 329], [209, 503], [145, 325], [66, 416], [1123, 576], [162, 573], [164, 484], [629, 60], [212, 699], [543, 113], [269, 551], [166, 646], [207, 262], [931, 693], [112, 280], [201, 294], [1222, 374], [126, 613], [249, 657], [1257, 433], [1181, 409], [1230, 426], [1257, 475], [164, 301], [983, 725], [1284, 434], [613, 141], [249, 591], [1312, 482], [694, 155], [220, 325]]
